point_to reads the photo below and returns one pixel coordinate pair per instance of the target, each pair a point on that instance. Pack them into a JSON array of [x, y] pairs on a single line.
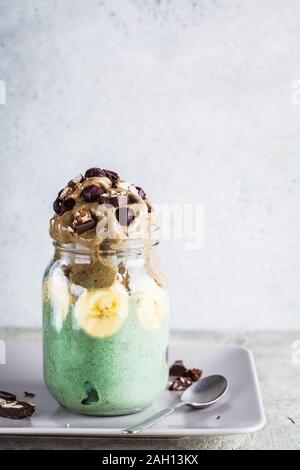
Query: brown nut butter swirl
[[100, 213]]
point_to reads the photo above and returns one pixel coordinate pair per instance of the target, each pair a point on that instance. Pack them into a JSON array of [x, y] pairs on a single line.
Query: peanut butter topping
[[93, 209], [100, 211]]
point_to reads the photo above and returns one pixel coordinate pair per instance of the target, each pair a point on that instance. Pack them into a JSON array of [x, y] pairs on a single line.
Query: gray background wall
[[191, 99]]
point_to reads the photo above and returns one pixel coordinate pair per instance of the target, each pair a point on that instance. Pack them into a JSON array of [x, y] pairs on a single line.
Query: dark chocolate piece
[[177, 369], [29, 394], [7, 396], [84, 220], [16, 409]]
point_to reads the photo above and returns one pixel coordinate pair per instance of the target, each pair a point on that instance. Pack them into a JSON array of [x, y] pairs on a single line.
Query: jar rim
[[130, 246]]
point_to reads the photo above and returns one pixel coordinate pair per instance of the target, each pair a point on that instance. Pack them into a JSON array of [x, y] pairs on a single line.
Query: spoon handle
[[147, 423]]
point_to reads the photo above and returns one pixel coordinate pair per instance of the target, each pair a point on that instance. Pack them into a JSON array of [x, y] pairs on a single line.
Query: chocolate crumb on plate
[[16, 409], [183, 377], [29, 394], [7, 396], [193, 374], [180, 384]]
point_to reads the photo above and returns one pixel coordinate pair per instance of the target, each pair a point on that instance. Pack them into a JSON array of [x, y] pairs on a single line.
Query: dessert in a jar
[[105, 315]]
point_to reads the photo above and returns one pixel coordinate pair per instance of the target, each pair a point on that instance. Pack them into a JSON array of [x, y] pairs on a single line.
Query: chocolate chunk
[[94, 172], [7, 396], [180, 384], [193, 374], [16, 409], [177, 369], [141, 192], [112, 176], [84, 220], [29, 394], [91, 193], [125, 216]]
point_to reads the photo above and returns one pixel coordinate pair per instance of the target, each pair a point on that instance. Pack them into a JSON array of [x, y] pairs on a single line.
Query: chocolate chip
[[125, 216], [180, 384], [16, 409], [141, 192], [7, 396], [91, 193], [94, 172], [29, 394], [84, 220]]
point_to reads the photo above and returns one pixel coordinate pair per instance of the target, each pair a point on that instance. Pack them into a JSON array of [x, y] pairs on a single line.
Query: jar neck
[[128, 249]]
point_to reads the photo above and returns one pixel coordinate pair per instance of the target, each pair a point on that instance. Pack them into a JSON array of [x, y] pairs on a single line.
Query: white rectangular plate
[[240, 411]]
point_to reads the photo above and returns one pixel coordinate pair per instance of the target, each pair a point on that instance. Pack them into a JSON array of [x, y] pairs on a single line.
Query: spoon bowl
[[205, 392]]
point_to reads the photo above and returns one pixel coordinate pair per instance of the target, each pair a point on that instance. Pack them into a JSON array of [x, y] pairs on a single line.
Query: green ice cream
[[116, 375]]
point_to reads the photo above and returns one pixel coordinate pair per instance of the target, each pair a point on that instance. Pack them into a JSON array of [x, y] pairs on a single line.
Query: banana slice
[[56, 290], [152, 308], [101, 312]]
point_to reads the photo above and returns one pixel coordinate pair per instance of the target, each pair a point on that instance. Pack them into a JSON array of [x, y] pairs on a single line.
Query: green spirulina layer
[[109, 376]]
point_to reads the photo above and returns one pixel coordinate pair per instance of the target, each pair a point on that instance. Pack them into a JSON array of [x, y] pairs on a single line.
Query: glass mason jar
[[105, 328]]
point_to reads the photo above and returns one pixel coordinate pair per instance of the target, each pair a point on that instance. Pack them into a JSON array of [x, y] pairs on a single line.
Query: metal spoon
[[203, 393]]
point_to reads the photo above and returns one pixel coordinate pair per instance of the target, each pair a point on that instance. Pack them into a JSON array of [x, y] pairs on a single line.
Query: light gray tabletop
[[279, 377]]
